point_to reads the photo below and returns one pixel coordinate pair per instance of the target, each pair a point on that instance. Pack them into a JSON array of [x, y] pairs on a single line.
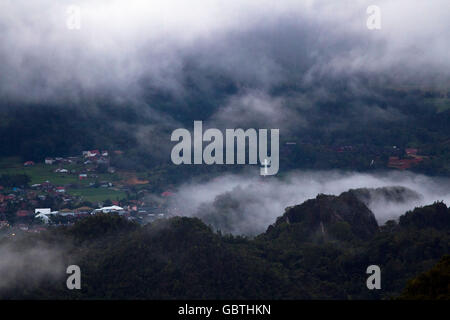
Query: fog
[[125, 47], [248, 204], [29, 265], [128, 52]]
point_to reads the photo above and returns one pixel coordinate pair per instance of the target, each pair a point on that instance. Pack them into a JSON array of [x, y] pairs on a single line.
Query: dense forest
[[317, 250]]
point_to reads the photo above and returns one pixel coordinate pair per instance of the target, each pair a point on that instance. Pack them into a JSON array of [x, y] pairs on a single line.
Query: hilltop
[[331, 217]]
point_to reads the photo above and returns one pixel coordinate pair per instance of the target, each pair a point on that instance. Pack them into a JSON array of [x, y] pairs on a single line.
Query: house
[[42, 210], [28, 164], [59, 170], [105, 184], [60, 189], [66, 212], [49, 160], [46, 184], [82, 176], [83, 210], [104, 153], [93, 153], [402, 164], [111, 209]]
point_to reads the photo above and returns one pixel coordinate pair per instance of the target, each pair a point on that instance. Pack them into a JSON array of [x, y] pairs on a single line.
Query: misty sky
[[125, 46], [127, 51]]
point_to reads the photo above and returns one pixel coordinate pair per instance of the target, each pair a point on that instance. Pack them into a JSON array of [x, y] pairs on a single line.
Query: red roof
[[402, 164], [411, 151], [167, 194], [23, 213]]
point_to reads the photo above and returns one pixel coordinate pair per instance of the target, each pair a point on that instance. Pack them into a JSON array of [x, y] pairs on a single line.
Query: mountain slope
[[182, 258]]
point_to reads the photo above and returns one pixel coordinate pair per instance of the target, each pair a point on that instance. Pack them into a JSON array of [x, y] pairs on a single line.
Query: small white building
[[44, 214], [112, 209], [43, 210]]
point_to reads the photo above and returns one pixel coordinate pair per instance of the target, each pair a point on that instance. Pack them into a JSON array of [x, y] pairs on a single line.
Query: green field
[[97, 194], [40, 173]]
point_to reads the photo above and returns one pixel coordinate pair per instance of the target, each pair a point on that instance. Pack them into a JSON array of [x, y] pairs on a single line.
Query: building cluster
[[39, 219], [139, 213], [36, 207], [89, 157], [410, 159]]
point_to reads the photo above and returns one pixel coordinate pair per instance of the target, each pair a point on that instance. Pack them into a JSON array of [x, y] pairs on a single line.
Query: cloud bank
[[126, 47], [248, 204], [29, 265]]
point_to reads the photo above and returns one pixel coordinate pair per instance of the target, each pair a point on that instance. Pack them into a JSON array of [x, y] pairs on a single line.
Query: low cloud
[[29, 264], [125, 47], [248, 204]]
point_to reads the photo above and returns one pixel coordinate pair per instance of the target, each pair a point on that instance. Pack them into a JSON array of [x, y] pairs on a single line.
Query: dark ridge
[[342, 217]]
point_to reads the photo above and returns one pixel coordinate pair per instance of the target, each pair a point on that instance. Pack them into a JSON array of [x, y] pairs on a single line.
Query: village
[[63, 190], [74, 187]]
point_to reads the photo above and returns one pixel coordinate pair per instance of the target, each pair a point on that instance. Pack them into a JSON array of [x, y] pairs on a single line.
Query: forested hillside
[[341, 132], [317, 250]]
